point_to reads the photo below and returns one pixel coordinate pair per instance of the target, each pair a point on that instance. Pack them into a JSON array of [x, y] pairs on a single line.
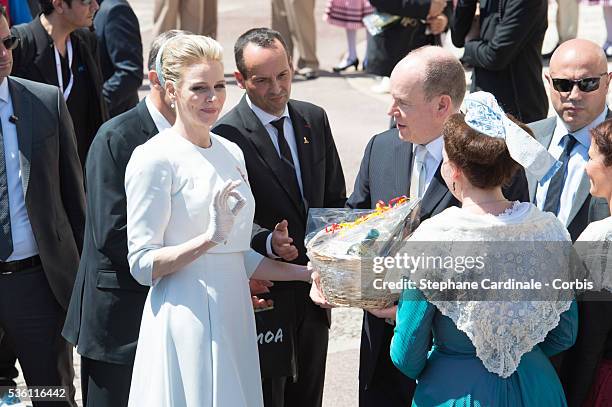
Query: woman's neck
[[200, 135], [484, 201]]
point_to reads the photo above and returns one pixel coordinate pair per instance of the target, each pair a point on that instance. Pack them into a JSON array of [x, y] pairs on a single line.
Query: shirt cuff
[[269, 247]]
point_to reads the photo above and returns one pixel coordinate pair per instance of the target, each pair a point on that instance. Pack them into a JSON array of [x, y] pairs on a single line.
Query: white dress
[[197, 344]]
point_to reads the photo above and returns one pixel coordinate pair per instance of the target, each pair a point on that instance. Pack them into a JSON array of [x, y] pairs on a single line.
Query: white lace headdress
[[484, 115]]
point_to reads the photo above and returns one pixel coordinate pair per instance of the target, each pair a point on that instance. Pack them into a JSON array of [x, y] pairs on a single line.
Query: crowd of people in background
[[145, 233]]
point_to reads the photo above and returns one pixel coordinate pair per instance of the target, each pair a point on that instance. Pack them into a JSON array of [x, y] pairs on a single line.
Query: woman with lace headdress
[[587, 369], [494, 352]]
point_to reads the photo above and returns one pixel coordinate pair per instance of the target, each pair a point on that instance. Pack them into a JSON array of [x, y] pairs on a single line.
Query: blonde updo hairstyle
[[184, 50]]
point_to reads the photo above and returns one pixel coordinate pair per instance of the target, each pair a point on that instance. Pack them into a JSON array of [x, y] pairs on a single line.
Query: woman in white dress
[[189, 220], [587, 368]]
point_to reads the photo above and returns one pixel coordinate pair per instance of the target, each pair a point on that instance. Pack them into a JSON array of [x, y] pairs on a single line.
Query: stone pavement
[[355, 115]]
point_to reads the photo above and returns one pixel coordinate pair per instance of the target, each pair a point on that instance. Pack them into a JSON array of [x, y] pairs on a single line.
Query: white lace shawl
[[501, 331], [597, 253]]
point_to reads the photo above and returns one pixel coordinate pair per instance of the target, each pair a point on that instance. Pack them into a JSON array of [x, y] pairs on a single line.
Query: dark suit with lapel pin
[[33, 300], [34, 59], [323, 187], [385, 174], [103, 319]]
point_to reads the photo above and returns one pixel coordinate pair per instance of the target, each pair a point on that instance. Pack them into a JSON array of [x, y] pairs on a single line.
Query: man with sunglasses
[[58, 48], [42, 212], [579, 82]]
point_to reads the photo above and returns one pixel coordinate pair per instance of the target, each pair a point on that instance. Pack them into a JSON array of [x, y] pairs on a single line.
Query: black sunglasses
[[585, 84], [10, 42]]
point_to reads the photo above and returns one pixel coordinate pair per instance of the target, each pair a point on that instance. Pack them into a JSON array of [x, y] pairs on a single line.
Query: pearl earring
[[172, 105]]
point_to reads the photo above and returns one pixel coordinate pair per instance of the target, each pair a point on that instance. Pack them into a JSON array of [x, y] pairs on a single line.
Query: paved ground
[[355, 115]]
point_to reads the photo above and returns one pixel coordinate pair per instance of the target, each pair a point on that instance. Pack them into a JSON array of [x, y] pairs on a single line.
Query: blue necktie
[[6, 239], [553, 196]]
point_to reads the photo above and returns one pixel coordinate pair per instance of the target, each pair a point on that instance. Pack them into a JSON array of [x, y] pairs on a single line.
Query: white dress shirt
[[160, 121], [24, 243], [575, 168], [433, 158], [266, 119]]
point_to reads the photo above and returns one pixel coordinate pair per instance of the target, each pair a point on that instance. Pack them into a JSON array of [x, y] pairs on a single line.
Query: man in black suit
[[579, 82], [103, 318], [57, 48], [292, 165], [427, 87], [505, 52], [566, 136], [42, 211], [120, 45]]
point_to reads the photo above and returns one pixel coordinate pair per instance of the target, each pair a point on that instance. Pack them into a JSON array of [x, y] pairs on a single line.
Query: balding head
[[431, 81], [575, 60], [579, 52], [439, 70]]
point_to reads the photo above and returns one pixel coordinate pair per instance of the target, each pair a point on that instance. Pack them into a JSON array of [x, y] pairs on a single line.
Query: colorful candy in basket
[[343, 244]]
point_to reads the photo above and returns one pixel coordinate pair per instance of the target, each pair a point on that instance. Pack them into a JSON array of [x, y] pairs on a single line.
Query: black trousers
[[32, 320], [312, 335], [388, 387], [105, 384], [8, 371]]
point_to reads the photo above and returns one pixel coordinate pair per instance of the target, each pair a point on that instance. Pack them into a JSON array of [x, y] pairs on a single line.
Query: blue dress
[[450, 374]]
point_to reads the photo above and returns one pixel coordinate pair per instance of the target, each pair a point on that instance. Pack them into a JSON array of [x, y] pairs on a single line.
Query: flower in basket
[[344, 244]]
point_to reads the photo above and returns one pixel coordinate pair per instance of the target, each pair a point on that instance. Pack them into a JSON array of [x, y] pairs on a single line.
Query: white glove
[[221, 215]]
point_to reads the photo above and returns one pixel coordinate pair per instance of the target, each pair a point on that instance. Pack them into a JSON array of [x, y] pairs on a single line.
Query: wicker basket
[[348, 281]]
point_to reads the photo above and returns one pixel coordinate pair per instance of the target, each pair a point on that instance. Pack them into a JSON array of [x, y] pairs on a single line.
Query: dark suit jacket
[[120, 47], [507, 57], [52, 180], [34, 59], [385, 174], [386, 49], [105, 293], [585, 209], [322, 175]]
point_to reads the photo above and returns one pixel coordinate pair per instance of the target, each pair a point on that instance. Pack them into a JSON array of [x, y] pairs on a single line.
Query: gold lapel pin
[[306, 140]]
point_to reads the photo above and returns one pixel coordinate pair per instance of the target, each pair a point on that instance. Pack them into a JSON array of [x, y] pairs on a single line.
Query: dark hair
[[159, 41], [262, 37], [443, 75], [602, 136], [3, 12], [47, 8], [485, 161]]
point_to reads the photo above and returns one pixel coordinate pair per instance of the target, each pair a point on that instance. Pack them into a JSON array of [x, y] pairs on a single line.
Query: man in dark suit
[[103, 319], [566, 136], [120, 45], [505, 52], [579, 82], [292, 165], [427, 87], [42, 207], [57, 48]]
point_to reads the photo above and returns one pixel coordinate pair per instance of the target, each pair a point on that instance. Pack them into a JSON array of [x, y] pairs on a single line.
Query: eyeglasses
[[584, 84], [10, 42]]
